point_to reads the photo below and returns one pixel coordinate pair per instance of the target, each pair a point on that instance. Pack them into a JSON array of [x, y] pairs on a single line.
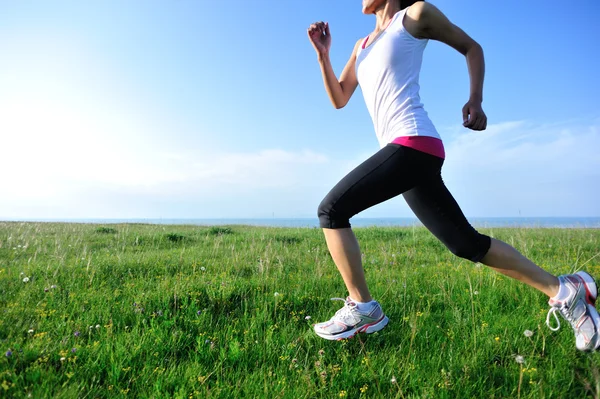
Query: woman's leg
[[345, 252], [390, 172], [433, 204], [507, 260], [573, 296]]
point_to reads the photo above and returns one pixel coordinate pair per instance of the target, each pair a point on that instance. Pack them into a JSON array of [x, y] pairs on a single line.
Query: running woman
[[386, 64]]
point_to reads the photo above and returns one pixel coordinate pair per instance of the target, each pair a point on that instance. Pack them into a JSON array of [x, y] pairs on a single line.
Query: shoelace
[[346, 312], [562, 310], [553, 311]]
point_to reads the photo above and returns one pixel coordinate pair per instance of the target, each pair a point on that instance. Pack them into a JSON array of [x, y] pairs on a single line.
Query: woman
[[386, 64]]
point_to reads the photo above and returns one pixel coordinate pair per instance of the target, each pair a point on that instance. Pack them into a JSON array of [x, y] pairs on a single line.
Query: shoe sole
[[591, 291], [593, 313], [367, 328]]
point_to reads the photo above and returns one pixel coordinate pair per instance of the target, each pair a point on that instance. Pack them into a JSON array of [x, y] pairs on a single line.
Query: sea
[[483, 222]]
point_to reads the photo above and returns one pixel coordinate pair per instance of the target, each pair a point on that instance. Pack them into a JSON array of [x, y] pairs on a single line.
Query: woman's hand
[[319, 36], [473, 116]]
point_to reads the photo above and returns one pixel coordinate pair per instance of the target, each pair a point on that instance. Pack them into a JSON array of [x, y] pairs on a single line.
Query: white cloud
[[47, 143], [55, 171], [266, 168], [520, 167], [64, 160]]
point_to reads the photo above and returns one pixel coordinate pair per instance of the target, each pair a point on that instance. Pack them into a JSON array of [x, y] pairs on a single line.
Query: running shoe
[[348, 321], [578, 309]]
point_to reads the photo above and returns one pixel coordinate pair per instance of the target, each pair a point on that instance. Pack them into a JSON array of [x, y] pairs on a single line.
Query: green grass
[[188, 311]]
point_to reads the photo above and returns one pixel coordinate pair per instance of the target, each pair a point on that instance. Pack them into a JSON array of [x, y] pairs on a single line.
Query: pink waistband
[[429, 145]]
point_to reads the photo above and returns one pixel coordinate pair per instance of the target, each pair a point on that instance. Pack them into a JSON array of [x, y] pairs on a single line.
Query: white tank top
[[388, 74]]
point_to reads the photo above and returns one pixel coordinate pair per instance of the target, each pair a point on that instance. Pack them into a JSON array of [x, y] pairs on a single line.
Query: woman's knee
[[473, 249], [329, 218]]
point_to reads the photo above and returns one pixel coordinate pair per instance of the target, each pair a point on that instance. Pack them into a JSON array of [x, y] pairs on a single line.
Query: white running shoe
[[578, 309], [348, 321]]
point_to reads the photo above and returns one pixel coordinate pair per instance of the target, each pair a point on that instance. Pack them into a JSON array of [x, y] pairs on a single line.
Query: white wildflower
[[26, 280], [519, 359], [528, 333]]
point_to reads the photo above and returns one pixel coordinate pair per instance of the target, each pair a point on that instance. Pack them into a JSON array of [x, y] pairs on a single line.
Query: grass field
[[160, 311]]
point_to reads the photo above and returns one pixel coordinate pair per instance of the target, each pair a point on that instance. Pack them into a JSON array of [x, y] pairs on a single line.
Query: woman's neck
[[385, 13]]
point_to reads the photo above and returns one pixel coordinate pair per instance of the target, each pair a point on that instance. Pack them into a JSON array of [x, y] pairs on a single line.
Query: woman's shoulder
[[419, 9]]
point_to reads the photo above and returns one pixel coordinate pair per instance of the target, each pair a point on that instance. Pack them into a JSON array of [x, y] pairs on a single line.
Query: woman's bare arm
[[426, 21], [339, 91]]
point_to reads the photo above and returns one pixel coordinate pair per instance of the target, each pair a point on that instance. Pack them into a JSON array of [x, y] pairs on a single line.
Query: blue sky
[[200, 109]]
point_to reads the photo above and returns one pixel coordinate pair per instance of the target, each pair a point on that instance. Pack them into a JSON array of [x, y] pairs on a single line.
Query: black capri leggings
[[394, 170]]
